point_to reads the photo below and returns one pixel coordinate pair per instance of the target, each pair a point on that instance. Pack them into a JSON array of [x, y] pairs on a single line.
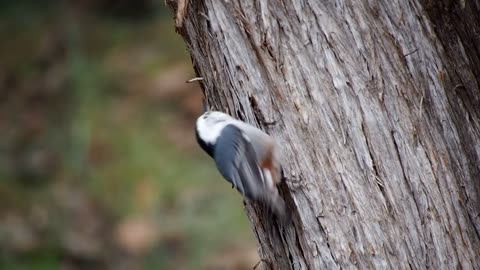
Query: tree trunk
[[377, 108]]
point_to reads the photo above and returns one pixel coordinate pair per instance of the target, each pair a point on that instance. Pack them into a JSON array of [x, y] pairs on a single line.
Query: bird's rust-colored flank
[[267, 163]]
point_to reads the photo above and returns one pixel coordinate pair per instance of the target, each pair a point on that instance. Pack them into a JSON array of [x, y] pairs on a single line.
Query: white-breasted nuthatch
[[246, 157]]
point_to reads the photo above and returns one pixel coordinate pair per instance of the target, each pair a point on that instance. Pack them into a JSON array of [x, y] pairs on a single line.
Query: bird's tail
[[271, 197], [277, 206]]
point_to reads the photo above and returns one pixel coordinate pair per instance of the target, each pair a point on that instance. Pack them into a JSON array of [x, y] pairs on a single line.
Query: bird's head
[[210, 124]]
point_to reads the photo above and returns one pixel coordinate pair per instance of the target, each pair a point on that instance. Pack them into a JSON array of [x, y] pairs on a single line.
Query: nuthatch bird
[[246, 157]]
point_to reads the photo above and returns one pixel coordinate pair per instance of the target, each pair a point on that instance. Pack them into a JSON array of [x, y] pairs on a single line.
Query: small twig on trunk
[[195, 79]]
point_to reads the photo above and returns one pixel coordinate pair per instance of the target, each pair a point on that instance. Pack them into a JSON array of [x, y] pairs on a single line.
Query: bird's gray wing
[[237, 162]]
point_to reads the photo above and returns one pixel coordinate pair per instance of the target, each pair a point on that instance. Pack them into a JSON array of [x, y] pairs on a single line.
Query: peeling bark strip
[[182, 7], [377, 108]]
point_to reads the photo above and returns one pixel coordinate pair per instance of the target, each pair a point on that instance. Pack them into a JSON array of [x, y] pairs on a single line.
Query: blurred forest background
[[99, 168]]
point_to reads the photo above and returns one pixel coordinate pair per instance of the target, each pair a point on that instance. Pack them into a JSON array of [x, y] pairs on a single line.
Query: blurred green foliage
[[85, 144]]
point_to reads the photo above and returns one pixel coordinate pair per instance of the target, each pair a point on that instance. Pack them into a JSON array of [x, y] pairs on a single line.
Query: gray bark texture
[[376, 107]]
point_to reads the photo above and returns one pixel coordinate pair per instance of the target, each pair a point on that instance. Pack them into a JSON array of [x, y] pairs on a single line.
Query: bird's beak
[[205, 105]]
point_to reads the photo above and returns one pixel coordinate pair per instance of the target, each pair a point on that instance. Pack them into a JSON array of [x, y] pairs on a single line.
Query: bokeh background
[[99, 168]]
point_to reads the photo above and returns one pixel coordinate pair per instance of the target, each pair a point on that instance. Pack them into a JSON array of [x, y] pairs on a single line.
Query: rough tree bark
[[377, 109]]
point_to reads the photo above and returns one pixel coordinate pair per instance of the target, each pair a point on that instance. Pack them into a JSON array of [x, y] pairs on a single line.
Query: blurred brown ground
[[99, 168]]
